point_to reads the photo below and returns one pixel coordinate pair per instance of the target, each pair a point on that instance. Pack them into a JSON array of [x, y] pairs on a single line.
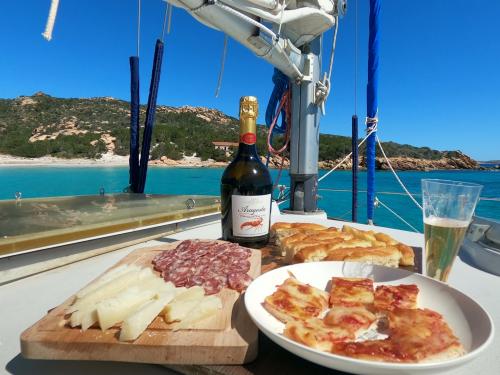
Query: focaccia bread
[[301, 242], [383, 256], [280, 230]]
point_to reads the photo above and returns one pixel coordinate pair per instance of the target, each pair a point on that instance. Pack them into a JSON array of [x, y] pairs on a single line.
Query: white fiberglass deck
[[25, 301]]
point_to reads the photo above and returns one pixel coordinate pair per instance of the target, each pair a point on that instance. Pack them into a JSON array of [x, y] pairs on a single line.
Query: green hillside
[[39, 125]]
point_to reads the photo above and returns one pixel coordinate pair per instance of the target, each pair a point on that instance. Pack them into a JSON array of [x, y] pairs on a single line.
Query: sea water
[[334, 191]]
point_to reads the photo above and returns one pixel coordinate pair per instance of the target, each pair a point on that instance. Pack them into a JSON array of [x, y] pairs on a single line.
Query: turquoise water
[[56, 181]]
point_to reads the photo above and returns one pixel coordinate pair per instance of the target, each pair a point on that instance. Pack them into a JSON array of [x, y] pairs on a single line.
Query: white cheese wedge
[[113, 310], [112, 274], [183, 303], [177, 311], [156, 284], [89, 319], [137, 323], [195, 292], [85, 317], [111, 288], [207, 308]]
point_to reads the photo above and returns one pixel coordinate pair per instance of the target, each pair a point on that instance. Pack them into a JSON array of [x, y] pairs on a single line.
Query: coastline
[[113, 160]]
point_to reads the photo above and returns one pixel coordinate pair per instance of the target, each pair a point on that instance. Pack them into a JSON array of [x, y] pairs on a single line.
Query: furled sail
[[272, 29]]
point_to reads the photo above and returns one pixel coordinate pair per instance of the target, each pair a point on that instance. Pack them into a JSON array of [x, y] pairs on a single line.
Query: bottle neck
[[248, 137]]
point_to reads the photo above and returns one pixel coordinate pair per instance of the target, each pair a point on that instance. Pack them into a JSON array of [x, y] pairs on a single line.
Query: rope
[[347, 156], [372, 123], [395, 174], [281, 17], [285, 102], [323, 87], [378, 201], [169, 22], [165, 17], [51, 20], [222, 64]]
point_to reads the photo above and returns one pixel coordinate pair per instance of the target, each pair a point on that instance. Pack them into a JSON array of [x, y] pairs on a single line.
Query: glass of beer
[[448, 208]]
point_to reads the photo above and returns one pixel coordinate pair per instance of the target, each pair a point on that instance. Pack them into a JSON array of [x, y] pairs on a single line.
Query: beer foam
[[445, 222]]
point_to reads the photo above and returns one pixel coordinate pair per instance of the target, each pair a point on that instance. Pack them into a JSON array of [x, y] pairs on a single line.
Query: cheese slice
[[111, 288], [112, 274], [85, 317], [205, 309], [114, 310], [137, 323], [178, 310], [195, 292]]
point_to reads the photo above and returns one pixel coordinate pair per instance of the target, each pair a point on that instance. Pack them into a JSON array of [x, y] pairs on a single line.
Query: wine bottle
[[246, 186]]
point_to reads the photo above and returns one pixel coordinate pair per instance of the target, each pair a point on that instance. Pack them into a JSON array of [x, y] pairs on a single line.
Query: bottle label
[[248, 138], [251, 215]]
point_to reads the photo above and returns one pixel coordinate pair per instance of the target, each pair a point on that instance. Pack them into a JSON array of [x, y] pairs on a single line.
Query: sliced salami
[[212, 286], [212, 265], [238, 281]]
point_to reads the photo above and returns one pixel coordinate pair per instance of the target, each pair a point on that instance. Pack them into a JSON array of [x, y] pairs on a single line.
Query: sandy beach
[[107, 160], [110, 160]]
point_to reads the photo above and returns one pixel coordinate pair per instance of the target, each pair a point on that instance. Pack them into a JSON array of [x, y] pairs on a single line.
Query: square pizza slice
[[389, 297], [296, 300], [346, 291]]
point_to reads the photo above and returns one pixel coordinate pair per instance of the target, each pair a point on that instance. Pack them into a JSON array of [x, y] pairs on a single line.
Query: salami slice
[[238, 281], [212, 286], [241, 265]]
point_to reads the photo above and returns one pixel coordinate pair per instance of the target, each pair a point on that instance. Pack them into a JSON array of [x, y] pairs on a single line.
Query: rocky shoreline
[[458, 162]]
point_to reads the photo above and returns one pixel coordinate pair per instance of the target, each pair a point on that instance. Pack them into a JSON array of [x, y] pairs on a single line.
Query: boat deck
[[26, 300]]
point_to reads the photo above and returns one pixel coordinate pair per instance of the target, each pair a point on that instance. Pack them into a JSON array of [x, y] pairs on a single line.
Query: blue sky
[[439, 79]]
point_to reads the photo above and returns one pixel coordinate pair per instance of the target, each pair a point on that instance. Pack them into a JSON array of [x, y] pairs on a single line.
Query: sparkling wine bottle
[[246, 186]]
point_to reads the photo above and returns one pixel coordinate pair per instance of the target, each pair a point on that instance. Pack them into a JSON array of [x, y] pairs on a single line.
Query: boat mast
[[372, 104], [304, 140]]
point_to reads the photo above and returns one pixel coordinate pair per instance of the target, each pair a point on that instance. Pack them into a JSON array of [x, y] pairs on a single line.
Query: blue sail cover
[[372, 102], [134, 124], [150, 115]]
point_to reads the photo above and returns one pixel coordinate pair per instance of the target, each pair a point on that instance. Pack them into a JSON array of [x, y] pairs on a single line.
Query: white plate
[[468, 320]]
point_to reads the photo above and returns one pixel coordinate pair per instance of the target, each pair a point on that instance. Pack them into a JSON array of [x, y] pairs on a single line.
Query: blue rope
[[281, 83]]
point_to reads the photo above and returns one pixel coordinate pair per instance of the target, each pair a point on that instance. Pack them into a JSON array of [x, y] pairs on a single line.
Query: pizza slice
[[354, 319], [423, 334], [296, 300], [314, 333], [346, 291], [416, 335], [389, 297]]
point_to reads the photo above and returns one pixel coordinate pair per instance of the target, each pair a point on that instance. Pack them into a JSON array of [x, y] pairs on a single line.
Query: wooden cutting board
[[229, 338]]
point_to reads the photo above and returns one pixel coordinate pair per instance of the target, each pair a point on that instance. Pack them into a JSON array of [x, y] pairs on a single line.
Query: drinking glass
[[448, 207]]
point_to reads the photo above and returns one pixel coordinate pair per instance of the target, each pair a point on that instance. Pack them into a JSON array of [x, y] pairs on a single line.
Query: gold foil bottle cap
[[249, 107]]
